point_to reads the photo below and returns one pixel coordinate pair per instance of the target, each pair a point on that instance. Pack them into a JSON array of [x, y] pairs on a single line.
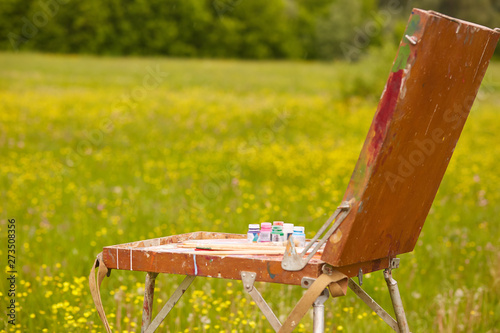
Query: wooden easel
[[432, 85]]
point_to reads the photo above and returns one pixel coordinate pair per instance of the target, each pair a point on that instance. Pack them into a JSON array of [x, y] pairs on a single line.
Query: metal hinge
[[293, 261]]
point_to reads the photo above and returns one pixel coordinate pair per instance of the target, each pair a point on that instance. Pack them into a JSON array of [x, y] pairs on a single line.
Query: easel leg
[[319, 312], [248, 279], [181, 289], [373, 305], [147, 307], [396, 302]]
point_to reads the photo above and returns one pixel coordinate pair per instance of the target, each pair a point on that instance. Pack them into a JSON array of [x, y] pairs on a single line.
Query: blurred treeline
[[262, 29]]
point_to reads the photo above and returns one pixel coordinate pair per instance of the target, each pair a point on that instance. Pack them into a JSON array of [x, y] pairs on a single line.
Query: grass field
[[102, 151]]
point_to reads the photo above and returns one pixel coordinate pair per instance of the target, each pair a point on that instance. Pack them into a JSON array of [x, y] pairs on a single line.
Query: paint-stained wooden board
[[433, 83], [162, 255]]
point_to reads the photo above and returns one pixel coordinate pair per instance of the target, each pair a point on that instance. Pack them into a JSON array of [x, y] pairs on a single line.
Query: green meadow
[[102, 151]]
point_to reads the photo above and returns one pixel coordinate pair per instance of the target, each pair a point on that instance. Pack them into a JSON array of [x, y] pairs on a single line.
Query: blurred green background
[[93, 156], [258, 29]]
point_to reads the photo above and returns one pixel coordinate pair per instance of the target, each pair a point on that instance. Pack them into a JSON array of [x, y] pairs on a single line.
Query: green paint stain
[[404, 50]]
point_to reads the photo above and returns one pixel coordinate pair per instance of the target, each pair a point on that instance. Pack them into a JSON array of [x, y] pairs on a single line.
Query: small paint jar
[[253, 233], [265, 232], [277, 235], [299, 236], [288, 230]]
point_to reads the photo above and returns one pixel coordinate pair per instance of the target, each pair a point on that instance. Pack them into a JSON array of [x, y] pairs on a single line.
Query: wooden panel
[[268, 269], [142, 256], [433, 83], [145, 256]]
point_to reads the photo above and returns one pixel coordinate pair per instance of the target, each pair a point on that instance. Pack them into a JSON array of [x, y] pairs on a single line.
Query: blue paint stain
[[269, 270], [360, 207], [195, 265]]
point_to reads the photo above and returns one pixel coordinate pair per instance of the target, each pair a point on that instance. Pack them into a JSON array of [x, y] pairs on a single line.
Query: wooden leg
[[181, 289], [147, 308]]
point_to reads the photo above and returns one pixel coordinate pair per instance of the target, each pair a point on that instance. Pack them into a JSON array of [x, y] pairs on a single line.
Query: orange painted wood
[[427, 98], [145, 256], [142, 256]]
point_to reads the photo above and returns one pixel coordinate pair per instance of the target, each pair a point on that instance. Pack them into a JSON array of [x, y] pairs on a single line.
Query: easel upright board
[[428, 96]]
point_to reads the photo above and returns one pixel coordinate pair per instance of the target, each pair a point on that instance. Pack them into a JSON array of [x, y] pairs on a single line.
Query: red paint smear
[[385, 111]]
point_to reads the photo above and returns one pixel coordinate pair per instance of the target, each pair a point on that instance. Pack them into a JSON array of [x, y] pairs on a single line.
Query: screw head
[[327, 269]]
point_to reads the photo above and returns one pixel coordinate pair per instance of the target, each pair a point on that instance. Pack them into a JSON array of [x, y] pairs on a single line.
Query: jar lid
[[278, 223], [253, 226], [266, 225], [299, 229]]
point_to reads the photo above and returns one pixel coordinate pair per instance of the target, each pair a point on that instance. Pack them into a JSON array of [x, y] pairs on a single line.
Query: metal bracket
[[248, 279], [394, 263], [306, 282], [293, 261], [327, 269], [360, 277]]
